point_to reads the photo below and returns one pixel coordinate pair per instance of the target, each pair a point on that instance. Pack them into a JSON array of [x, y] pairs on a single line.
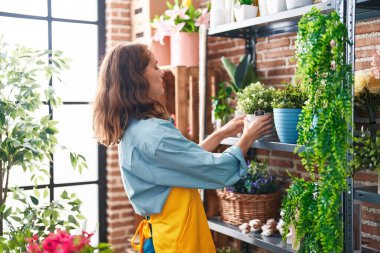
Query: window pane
[[75, 132], [79, 82], [73, 9], [88, 194], [30, 33], [18, 177], [28, 7]]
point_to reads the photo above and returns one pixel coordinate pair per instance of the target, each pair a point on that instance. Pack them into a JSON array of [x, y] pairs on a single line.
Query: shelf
[[280, 22], [367, 194], [273, 243], [366, 9], [269, 145]]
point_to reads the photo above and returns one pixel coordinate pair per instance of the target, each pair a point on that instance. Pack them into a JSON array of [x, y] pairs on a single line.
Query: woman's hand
[[260, 126], [233, 127]]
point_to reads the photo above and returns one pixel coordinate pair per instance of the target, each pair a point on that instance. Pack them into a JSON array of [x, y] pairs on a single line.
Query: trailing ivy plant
[[323, 129]]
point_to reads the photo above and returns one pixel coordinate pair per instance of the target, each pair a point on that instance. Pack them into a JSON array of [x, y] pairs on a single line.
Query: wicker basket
[[238, 208]]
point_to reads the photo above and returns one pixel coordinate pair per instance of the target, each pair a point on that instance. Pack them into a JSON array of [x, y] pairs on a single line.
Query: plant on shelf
[[179, 18], [327, 80], [287, 105], [222, 108], [244, 9], [241, 75], [255, 99], [257, 194], [28, 141]]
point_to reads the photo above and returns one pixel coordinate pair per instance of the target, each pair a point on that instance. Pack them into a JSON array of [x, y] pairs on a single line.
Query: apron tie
[[144, 232]]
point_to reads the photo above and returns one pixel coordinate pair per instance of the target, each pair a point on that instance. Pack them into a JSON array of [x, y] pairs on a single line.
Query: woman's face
[[154, 77]]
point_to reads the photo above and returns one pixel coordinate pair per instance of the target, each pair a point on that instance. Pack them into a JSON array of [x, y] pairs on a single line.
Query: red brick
[[367, 28], [362, 176], [364, 53], [279, 53], [370, 216], [284, 154], [362, 65], [273, 44], [262, 152], [281, 163], [118, 6], [270, 64], [119, 22], [281, 72], [367, 41], [371, 230]]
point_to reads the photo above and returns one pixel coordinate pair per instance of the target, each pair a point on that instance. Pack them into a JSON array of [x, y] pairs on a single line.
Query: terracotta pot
[[184, 49], [162, 52]]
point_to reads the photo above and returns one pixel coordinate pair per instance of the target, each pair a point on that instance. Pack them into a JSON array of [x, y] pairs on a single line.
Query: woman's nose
[[162, 74]]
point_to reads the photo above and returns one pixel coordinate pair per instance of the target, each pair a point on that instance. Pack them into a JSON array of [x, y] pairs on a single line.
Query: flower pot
[[271, 136], [292, 4], [263, 8], [162, 52], [285, 121], [184, 50], [243, 11], [274, 6]]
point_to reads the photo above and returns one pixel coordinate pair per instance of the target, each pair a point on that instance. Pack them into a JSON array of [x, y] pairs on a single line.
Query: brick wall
[[120, 214]]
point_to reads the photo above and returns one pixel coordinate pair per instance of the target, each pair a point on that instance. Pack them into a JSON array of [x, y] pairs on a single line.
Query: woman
[[161, 169]]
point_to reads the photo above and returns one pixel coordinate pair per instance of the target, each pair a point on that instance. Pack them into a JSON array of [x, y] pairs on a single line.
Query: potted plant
[[255, 100], [181, 22], [293, 4], [287, 105], [222, 109], [244, 9], [254, 196], [275, 6]]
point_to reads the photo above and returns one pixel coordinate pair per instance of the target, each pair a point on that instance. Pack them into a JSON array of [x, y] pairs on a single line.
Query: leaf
[[230, 68], [241, 70], [34, 200]]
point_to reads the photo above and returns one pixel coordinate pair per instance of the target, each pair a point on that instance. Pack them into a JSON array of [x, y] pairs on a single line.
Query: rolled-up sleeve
[[179, 162]]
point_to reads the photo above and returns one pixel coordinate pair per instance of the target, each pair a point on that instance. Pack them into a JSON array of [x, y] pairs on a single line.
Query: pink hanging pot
[[184, 49], [162, 52]]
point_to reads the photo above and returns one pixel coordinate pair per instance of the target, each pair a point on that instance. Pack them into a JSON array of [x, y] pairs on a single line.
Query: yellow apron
[[181, 227]]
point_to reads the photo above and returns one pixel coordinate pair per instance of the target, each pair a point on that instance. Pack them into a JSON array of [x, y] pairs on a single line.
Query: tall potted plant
[[28, 141], [322, 69]]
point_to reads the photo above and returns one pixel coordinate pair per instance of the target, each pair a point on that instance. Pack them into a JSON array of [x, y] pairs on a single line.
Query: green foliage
[[327, 81], [255, 97], [221, 103], [366, 152], [290, 97], [247, 2], [241, 75]]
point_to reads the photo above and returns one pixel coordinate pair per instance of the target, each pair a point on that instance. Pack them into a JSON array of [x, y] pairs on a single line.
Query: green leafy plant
[[366, 152], [290, 97], [241, 75], [327, 81], [255, 97], [246, 2], [222, 108]]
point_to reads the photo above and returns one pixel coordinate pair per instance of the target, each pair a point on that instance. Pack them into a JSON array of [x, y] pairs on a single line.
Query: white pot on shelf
[[263, 8], [243, 11], [228, 11], [217, 17], [293, 4], [274, 6]]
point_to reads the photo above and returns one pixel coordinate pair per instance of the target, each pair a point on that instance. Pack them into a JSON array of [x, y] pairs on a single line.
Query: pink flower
[[165, 28], [177, 12], [204, 18], [376, 65]]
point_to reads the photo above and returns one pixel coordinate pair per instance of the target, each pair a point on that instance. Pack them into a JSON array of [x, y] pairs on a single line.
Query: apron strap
[[143, 231]]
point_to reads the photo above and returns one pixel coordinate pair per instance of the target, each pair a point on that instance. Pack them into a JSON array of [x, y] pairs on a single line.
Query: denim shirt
[[154, 156]]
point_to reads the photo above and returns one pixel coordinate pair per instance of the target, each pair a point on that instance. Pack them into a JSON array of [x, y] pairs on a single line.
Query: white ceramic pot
[[274, 6], [229, 14], [271, 136], [263, 8], [217, 4], [243, 11], [217, 17], [292, 4]]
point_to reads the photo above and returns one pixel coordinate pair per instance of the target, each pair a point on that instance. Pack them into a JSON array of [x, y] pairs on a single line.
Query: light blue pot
[[285, 121]]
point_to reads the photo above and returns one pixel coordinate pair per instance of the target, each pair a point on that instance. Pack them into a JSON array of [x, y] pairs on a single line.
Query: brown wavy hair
[[123, 92]]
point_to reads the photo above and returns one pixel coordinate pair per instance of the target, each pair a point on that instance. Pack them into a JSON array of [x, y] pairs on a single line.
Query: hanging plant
[[327, 79]]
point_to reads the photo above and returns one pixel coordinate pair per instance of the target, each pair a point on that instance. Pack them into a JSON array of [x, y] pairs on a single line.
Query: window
[[76, 28]]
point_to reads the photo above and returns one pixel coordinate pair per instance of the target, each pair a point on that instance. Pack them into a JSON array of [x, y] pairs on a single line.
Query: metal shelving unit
[[285, 22], [273, 243]]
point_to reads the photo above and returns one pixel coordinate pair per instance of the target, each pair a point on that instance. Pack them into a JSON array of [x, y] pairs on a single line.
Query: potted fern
[[287, 105]]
